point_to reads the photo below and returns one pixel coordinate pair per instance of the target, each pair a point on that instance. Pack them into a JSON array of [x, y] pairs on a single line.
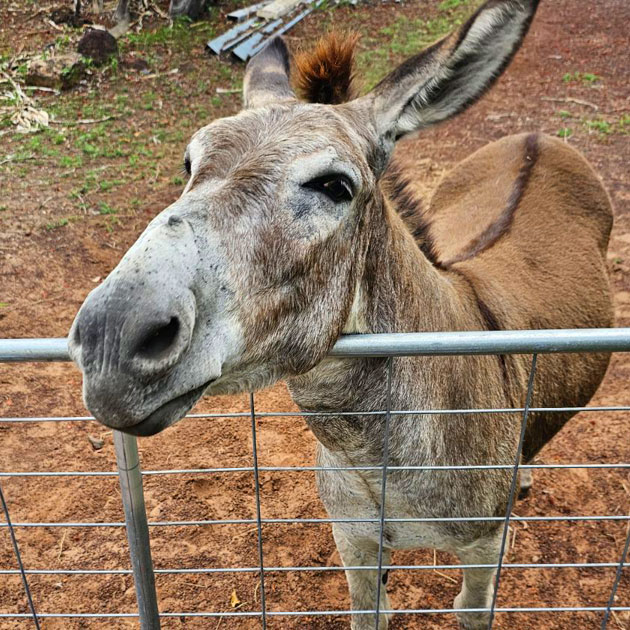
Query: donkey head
[[250, 276]]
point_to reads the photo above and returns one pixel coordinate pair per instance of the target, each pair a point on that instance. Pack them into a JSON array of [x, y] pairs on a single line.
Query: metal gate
[[388, 346]]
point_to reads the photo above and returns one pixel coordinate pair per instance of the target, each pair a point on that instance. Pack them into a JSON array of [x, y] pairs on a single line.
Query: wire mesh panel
[[261, 566]]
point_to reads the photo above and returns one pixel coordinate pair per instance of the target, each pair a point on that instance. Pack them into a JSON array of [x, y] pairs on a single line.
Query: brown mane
[[397, 188], [326, 73]]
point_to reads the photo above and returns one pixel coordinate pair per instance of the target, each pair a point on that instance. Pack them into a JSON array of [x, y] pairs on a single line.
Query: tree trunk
[[190, 8], [122, 11]]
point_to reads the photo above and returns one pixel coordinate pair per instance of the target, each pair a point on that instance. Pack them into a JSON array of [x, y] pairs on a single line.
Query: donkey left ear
[[267, 76], [452, 74]]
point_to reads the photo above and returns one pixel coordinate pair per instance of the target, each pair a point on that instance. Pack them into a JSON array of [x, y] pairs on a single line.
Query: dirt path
[[108, 180]]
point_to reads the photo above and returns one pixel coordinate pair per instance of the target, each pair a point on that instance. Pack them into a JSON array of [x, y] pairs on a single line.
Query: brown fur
[[326, 73]]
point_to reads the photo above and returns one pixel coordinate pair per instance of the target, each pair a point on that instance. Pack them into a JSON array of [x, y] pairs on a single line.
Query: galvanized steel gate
[[386, 345]]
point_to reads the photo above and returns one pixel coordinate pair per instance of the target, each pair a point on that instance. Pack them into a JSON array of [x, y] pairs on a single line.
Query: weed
[[70, 161], [57, 224], [178, 181], [624, 124], [588, 78], [104, 208], [106, 185], [110, 222], [564, 114], [603, 126], [564, 132]]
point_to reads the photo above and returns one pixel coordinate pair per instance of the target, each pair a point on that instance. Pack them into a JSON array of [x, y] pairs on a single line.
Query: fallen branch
[[12, 158], [34, 15], [577, 101], [83, 121]]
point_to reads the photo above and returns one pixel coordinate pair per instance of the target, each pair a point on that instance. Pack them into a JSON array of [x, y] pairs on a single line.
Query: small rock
[[60, 71], [98, 45], [97, 443]]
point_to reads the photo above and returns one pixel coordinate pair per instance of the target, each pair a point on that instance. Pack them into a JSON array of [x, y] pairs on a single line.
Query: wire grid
[[380, 567]]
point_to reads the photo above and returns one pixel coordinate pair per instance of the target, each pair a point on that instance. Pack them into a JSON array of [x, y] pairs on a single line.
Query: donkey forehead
[[278, 135]]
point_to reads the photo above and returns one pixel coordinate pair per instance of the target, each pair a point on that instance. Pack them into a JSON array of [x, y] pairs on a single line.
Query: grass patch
[[57, 224], [407, 37], [587, 78], [602, 126], [104, 208]]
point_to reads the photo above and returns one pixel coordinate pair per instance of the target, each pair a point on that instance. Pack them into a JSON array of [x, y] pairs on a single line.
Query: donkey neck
[[399, 290]]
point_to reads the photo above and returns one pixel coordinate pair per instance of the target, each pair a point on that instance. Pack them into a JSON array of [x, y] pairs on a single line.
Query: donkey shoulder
[[515, 189]]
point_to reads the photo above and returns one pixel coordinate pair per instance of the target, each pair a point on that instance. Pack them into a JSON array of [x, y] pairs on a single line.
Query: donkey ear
[[452, 74], [267, 76]]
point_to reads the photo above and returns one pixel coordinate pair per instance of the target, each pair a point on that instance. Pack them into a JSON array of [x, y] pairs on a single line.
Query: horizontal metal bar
[[247, 469], [306, 414], [18, 350], [483, 342], [402, 344], [392, 567], [319, 613], [317, 521]]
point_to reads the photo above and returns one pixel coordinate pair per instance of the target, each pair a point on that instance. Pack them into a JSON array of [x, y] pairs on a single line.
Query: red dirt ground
[[46, 274]]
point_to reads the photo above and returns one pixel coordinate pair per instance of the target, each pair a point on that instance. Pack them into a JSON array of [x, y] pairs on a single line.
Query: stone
[[59, 71], [98, 45]]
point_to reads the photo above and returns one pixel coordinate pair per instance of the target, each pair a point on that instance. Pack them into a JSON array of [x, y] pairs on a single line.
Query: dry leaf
[[235, 602]]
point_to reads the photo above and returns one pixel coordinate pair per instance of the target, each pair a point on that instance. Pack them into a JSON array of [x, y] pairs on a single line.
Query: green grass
[[104, 208], [564, 132], [57, 224], [603, 126], [587, 78], [408, 37], [181, 35]]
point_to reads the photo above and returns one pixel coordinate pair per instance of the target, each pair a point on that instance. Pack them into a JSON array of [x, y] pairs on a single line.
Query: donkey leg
[[362, 584], [478, 586]]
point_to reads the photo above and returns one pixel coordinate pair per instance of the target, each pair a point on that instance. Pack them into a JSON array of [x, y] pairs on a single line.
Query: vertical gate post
[[130, 479]]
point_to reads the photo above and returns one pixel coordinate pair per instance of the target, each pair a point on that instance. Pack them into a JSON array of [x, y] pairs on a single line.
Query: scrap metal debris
[[258, 23]]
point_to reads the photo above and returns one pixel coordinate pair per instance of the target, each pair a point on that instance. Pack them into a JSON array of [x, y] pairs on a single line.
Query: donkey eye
[[335, 186], [187, 165]]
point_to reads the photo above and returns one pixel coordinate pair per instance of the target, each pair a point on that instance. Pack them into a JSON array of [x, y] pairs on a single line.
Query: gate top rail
[[401, 344]]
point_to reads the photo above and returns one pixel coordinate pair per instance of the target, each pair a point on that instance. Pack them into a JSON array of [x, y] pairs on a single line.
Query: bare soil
[[48, 266]]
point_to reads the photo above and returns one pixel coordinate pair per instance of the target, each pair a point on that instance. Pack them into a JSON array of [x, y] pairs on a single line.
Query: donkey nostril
[[159, 340]]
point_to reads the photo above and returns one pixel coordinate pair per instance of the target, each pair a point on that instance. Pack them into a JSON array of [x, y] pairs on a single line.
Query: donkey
[[294, 228]]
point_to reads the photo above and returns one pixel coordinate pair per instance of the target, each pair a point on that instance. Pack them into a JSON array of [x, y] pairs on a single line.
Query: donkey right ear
[[452, 74], [267, 76]]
